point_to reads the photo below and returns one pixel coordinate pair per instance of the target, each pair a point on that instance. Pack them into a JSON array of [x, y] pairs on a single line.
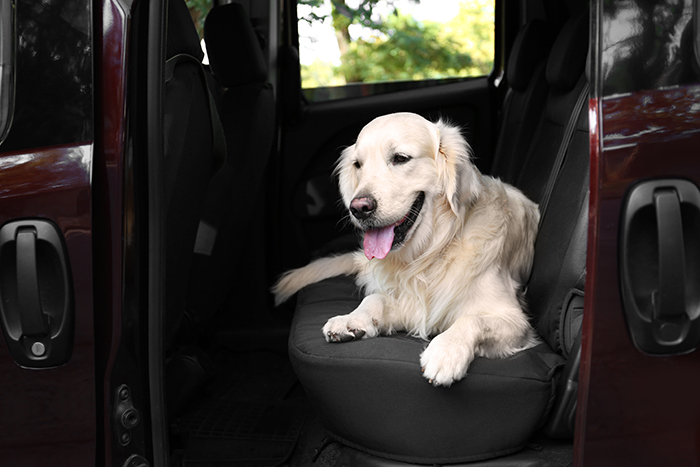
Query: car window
[[55, 111], [7, 72], [199, 9], [637, 57], [348, 44]]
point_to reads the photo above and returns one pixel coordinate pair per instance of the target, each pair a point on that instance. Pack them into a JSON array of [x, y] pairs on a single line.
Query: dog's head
[[399, 168]]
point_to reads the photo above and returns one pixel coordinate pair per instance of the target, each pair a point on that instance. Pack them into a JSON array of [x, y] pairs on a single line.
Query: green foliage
[[199, 10], [410, 51], [320, 72], [398, 47], [363, 14]]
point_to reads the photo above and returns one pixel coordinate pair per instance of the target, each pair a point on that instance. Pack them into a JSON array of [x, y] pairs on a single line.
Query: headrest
[[182, 35], [235, 55], [531, 45], [568, 58]]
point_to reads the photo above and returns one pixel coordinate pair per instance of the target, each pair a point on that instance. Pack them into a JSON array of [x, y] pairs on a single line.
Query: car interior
[[249, 193]]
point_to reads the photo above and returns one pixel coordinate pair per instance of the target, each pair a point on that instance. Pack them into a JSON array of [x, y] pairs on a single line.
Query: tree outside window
[[361, 41]]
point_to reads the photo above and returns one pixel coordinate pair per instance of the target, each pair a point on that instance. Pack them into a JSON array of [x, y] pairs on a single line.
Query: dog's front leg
[[449, 354], [363, 322]]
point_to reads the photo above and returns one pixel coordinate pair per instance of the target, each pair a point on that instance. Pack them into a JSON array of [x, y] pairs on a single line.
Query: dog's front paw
[[345, 328], [445, 360]]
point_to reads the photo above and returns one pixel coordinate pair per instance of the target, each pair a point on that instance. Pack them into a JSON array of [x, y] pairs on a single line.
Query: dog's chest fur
[[427, 287], [426, 290]]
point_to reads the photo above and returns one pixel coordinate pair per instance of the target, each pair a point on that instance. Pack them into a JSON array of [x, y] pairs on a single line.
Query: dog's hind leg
[[365, 321]]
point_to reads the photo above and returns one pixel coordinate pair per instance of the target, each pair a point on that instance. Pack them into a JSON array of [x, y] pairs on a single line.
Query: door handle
[[659, 266], [36, 294], [32, 319]]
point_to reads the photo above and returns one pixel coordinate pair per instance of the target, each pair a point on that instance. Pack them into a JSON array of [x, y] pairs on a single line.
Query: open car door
[[47, 364], [640, 369]]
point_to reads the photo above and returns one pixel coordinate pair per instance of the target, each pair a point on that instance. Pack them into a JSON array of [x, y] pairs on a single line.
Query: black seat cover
[[189, 159], [525, 98], [371, 395], [231, 228]]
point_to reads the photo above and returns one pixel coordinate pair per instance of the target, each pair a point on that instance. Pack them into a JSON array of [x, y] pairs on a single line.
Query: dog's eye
[[357, 164], [400, 159]]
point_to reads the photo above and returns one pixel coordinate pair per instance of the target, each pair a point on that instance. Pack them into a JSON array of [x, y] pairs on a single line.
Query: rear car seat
[[566, 80], [525, 98], [232, 218], [228, 201], [189, 153], [370, 394]]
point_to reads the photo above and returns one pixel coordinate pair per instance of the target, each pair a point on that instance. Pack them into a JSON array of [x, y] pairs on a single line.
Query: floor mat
[[249, 420]]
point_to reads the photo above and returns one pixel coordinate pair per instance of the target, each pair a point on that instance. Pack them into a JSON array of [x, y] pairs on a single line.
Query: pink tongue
[[378, 242]]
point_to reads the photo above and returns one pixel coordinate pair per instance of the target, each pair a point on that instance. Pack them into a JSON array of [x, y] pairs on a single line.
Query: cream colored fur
[[457, 278]]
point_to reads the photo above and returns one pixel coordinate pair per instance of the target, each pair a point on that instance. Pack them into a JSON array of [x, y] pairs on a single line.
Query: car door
[[326, 118], [640, 369], [47, 353]]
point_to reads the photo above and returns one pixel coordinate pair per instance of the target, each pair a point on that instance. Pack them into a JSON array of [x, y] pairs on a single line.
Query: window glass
[[53, 74], [370, 41], [199, 9], [648, 45]]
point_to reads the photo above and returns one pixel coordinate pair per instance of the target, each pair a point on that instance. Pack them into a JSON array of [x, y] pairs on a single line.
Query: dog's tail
[[293, 281]]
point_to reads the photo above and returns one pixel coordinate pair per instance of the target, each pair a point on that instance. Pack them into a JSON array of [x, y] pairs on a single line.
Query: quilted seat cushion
[[370, 394]]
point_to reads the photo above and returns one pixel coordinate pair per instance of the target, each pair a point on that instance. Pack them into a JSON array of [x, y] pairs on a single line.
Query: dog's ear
[[347, 177], [459, 179]]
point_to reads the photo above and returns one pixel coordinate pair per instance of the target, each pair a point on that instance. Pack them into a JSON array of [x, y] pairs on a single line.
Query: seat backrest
[[565, 75], [189, 158], [556, 175], [232, 224], [525, 98], [560, 251]]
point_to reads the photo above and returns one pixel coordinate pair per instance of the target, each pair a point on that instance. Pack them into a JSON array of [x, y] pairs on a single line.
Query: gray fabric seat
[[370, 394]]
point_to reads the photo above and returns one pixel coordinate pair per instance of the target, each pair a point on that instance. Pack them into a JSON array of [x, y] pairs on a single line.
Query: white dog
[[446, 249]]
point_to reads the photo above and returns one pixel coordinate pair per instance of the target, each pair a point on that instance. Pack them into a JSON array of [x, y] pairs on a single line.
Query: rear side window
[[50, 43], [199, 9], [347, 43], [637, 57]]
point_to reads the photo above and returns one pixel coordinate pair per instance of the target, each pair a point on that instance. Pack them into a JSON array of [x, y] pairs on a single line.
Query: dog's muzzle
[[379, 241]]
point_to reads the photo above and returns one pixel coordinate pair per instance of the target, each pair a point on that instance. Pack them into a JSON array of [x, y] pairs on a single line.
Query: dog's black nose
[[363, 207]]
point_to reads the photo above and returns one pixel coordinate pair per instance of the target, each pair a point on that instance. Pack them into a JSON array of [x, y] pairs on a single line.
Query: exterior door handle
[[33, 321], [670, 318], [36, 294], [659, 266]]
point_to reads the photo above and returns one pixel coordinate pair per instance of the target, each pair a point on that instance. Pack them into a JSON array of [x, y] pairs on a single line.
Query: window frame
[[7, 66], [367, 89]]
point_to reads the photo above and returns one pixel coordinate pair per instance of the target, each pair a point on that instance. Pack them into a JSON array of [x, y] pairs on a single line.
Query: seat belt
[[563, 150], [218, 137]]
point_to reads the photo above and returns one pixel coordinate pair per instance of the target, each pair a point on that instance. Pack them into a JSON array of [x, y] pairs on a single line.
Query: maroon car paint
[[52, 183], [634, 409]]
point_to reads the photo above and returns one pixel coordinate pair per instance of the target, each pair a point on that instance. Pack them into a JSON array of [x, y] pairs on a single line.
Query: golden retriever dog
[[446, 249]]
